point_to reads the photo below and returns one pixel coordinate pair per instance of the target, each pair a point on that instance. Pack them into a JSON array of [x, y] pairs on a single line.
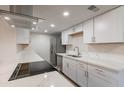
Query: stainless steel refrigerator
[[56, 47]]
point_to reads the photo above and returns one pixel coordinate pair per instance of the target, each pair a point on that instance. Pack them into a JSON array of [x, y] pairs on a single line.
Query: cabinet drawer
[[82, 65], [103, 73]]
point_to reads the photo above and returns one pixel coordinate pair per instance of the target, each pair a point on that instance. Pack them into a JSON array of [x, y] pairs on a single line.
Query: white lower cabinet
[[86, 75], [82, 74], [65, 67], [101, 77], [95, 81], [69, 68], [72, 69]]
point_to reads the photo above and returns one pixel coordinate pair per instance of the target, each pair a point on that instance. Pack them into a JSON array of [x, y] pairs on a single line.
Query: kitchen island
[[49, 79]]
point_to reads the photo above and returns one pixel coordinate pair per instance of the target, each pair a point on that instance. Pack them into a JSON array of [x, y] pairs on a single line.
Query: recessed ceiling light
[[66, 13], [34, 23], [13, 26], [45, 30], [6, 18], [52, 25], [33, 28]]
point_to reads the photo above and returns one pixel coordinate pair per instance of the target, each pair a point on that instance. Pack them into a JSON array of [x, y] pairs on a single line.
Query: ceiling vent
[[93, 8]]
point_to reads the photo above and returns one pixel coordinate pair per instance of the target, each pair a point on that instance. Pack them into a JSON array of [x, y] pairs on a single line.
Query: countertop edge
[[85, 60]]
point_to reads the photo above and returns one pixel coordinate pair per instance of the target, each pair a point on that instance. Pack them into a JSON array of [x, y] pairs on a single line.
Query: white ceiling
[[54, 14]]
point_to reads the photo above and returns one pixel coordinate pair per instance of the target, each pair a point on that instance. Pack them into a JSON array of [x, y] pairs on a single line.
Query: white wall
[[41, 44], [7, 43]]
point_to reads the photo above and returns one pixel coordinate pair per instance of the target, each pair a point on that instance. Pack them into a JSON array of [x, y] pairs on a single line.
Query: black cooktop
[[29, 69]]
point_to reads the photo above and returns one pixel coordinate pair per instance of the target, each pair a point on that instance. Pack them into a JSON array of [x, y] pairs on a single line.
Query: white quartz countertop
[[28, 55], [111, 65], [50, 79]]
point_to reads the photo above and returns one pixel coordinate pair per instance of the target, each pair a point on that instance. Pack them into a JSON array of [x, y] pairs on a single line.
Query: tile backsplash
[[77, 41], [113, 52]]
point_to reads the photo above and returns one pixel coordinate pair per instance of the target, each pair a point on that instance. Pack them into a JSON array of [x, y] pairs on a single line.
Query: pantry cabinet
[[22, 36], [109, 27]]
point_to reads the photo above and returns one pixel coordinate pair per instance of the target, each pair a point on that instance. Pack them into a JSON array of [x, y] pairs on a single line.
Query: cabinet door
[[22, 36], [65, 37], [81, 76], [101, 77], [65, 66], [94, 81], [88, 31], [59, 62], [72, 70], [78, 28], [109, 27]]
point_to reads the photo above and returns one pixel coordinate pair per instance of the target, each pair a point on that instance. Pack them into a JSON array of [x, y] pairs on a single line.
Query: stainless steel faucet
[[77, 50]]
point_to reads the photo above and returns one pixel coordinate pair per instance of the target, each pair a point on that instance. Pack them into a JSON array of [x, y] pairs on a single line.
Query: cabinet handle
[[86, 73]]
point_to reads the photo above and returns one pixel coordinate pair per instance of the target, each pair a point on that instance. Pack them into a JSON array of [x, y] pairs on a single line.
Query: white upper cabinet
[[88, 34], [65, 37], [109, 27], [78, 28], [22, 36], [105, 28]]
